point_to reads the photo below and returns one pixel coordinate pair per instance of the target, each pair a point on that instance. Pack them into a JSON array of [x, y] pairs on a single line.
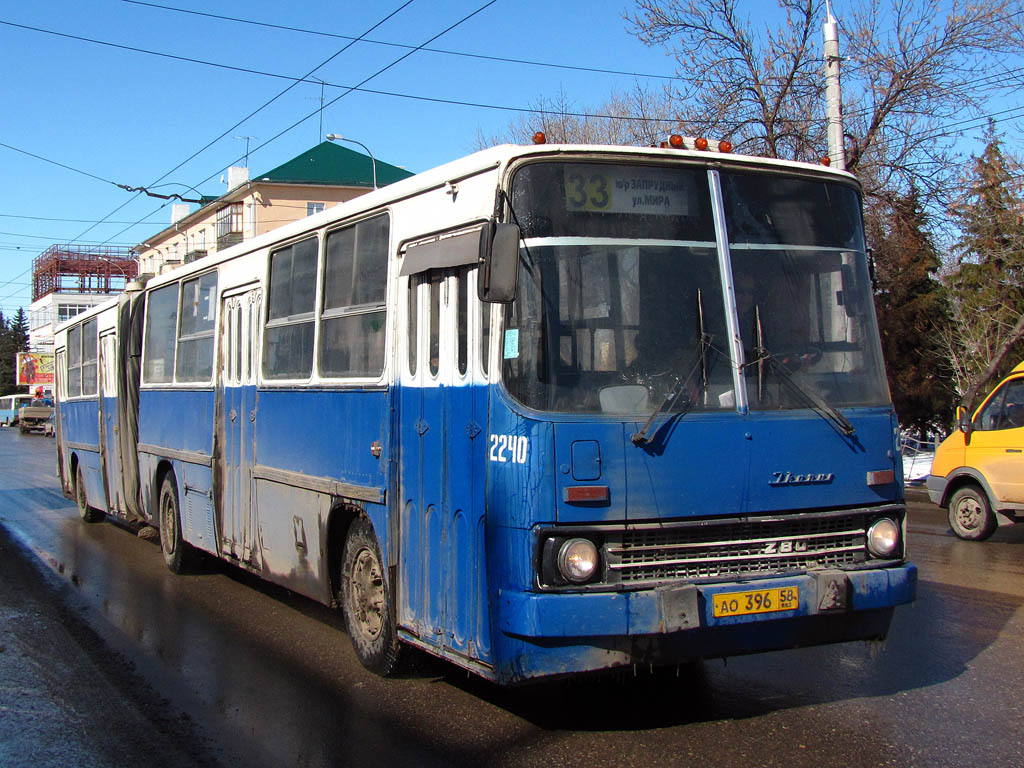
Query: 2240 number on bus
[[757, 601]]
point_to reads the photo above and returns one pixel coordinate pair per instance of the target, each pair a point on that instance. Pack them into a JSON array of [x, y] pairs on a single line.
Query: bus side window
[[195, 341], [412, 335], [353, 323], [485, 335], [288, 337], [161, 323], [90, 357], [74, 377], [462, 320], [434, 310]]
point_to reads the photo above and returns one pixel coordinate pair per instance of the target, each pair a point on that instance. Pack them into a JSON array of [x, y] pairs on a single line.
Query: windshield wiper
[[818, 405], [678, 390]]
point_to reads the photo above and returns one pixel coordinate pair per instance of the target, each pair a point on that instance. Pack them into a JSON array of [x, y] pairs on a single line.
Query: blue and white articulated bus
[[9, 407], [540, 411]]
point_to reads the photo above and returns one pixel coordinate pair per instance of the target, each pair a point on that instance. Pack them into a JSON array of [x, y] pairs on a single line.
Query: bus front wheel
[[365, 599], [87, 513], [970, 514], [178, 554]]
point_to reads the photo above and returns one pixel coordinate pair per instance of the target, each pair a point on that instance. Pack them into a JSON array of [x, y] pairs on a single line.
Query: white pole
[[833, 92]]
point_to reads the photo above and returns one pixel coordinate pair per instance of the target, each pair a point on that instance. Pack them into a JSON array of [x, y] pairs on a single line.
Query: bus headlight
[[883, 537], [577, 560]]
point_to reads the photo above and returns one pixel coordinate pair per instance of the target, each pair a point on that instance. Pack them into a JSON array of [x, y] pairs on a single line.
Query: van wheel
[[87, 513], [970, 515], [364, 596], [178, 554]]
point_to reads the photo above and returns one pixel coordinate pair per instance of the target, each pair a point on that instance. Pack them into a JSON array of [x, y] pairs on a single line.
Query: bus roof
[[493, 158]]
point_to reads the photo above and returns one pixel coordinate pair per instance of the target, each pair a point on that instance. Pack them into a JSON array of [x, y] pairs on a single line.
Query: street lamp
[[339, 137]]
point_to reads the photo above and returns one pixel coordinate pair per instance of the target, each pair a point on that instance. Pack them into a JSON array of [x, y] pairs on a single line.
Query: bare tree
[[912, 68], [634, 118]]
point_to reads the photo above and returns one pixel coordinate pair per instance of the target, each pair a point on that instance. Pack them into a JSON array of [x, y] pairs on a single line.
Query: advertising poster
[[35, 369]]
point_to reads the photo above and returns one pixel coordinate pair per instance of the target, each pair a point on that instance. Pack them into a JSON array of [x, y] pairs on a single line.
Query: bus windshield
[[621, 308]]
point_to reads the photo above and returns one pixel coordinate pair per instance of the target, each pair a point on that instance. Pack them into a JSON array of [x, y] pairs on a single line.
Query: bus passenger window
[[354, 319], [75, 361], [435, 322], [288, 338], [462, 320], [412, 337], [90, 357], [161, 324], [195, 342]]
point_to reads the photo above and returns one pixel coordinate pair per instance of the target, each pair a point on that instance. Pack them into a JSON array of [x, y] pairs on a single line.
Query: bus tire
[[366, 601], [178, 553], [87, 513], [970, 515]]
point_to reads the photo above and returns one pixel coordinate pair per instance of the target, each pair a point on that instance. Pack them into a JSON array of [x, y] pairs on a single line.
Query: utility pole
[[833, 92]]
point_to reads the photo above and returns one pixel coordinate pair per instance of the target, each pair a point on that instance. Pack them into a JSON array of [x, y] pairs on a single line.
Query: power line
[[69, 221], [361, 83], [263, 106], [463, 54]]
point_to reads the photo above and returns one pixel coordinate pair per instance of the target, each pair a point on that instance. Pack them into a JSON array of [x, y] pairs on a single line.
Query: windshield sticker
[[650, 191], [511, 343]]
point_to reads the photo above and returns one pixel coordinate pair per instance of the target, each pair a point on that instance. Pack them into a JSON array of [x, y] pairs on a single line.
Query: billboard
[[35, 369]]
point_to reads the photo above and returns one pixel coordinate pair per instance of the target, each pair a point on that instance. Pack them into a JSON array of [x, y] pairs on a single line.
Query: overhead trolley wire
[[353, 88]]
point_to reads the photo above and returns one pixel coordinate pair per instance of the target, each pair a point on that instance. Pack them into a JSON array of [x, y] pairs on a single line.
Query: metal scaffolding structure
[[82, 269]]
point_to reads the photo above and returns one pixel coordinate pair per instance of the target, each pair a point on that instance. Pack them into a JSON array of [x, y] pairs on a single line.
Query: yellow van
[[978, 471]]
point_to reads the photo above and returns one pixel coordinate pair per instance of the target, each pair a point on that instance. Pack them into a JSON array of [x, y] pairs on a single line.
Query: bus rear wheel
[[178, 554], [87, 513], [970, 514], [364, 596]]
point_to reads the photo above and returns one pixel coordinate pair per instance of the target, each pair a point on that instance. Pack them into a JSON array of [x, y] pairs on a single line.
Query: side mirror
[[499, 262], [963, 420]]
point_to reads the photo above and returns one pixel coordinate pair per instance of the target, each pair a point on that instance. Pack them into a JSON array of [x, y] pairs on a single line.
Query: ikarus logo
[[788, 478]]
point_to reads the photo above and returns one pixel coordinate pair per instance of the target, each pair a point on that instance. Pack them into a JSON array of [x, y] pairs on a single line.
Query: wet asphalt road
[[108, 659]]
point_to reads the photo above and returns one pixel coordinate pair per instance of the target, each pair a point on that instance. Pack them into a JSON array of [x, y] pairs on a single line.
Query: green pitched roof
[[330, 163]]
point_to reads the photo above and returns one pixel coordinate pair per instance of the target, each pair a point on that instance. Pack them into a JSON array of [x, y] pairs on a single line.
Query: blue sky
[[129, 117]]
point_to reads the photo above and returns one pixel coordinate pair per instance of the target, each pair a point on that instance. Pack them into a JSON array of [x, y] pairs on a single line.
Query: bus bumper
[[557, 633]]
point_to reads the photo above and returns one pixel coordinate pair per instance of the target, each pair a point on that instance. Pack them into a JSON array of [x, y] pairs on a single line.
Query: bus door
[[236, 413], [110, 444], [442, 433]]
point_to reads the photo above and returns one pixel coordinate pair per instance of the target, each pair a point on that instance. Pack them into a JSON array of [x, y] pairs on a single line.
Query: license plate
[[757, 601]]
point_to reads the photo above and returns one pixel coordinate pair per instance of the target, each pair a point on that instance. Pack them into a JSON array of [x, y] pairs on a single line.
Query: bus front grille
[[736, 549]]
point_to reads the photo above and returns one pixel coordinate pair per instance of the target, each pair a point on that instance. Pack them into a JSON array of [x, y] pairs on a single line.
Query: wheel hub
[[969, 513], [367, 586]]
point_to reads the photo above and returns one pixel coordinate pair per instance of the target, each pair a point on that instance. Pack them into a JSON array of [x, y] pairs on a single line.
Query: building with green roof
[[319, 178]]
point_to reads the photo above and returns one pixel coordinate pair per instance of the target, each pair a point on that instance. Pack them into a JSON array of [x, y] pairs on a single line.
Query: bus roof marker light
[[675, 141], [700, 143], [826, 161], [540, 138], [724, 146]]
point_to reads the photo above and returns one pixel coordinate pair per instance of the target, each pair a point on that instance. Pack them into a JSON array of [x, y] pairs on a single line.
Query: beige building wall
[[263, 207]]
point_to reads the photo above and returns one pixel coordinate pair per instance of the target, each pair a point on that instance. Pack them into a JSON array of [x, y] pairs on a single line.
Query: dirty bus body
[[670, 438]]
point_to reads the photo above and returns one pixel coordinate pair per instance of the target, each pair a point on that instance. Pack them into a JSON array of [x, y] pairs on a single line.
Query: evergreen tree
[[912, 309], [987, 284], [8, 350]]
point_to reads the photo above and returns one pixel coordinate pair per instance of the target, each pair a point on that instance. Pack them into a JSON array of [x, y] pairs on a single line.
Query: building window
[[312, 208], [67, 311], [229, 225]]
